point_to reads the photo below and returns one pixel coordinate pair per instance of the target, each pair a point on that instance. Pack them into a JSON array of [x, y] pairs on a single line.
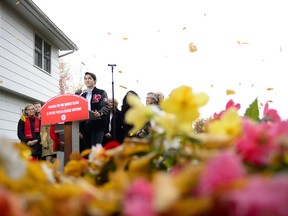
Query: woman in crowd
[[28, 130], [124, 108], [114, 129]]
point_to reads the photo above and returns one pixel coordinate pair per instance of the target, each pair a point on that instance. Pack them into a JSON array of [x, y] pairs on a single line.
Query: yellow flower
[[138, 115], [75, 167], [229, 124], [169, 123], [184, 104]]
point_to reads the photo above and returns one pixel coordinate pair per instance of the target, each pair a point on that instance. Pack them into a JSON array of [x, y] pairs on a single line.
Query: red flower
[[111, 144]]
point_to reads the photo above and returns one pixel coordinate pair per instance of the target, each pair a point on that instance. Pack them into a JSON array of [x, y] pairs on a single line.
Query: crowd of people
[[107, 122]]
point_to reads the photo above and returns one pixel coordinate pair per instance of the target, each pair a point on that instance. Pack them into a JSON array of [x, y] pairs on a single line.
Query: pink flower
[[10, 203], [220, 171], [229, 104], [256, 145], [260, 197], [138, 200], [270, 114]]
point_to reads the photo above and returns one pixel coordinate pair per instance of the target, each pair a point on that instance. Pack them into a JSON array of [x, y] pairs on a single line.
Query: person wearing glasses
[[28, 131]]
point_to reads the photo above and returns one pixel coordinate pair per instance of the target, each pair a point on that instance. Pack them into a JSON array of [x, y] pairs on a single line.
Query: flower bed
[[225, 165]]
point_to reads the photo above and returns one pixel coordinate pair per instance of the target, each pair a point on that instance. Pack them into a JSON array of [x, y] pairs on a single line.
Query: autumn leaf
[[192, 47], [230, 91]]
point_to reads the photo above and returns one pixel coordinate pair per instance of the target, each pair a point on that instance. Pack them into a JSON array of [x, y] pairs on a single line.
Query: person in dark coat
[[114, 129], [93, 129], [28, 131], [124, 108]]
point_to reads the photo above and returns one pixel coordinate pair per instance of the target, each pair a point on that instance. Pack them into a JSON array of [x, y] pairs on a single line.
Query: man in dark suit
[[93, 129]]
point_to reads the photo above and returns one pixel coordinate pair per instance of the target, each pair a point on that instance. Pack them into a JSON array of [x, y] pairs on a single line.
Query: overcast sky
[[242, 45]]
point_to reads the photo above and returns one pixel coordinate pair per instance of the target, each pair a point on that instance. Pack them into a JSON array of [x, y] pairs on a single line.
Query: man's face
[[89, 81], [38, 107]]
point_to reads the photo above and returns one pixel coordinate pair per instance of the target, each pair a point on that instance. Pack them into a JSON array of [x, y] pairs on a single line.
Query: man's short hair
[[92, 75]]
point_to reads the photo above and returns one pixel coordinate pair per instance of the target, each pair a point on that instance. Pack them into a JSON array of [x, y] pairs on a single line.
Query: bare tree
[[69, 81]]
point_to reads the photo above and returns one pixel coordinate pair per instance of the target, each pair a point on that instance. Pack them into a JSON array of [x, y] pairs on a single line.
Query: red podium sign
[[64, 108]]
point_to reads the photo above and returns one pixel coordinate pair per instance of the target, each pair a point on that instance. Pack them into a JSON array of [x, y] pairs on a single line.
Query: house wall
[[10, 112], [20, 80]]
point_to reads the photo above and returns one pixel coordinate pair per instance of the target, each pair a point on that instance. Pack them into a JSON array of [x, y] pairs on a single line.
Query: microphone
[[112, 65]]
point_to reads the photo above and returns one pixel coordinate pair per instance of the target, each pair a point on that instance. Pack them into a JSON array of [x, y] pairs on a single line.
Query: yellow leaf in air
[[121, 86], [270, 101], [124, 38], [192, 47], [119, 71], [230, 91], [108, 33], [184, 28], [261, 104], [269, 89], [212, 85], [240, 42]]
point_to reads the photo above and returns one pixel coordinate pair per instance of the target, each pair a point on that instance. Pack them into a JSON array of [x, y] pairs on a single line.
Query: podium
[[66, 110]]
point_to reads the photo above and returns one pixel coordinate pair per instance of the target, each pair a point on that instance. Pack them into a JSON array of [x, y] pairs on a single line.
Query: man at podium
[[92, 130]]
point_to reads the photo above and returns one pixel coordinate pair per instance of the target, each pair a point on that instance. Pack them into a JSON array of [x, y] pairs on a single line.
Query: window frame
[[42, 53]]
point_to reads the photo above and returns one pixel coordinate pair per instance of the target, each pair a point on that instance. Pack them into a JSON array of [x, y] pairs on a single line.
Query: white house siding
[[21, 82], [10, 111], [17, 60]]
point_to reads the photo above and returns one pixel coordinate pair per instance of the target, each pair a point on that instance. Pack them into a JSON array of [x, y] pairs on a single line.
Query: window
[[42, 54]]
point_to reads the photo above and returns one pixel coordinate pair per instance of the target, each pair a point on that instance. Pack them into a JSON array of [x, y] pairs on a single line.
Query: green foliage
[[102, 177], [253, 111]]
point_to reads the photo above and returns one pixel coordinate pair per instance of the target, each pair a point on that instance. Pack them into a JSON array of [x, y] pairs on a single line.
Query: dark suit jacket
[[117, 124], [99, 102]]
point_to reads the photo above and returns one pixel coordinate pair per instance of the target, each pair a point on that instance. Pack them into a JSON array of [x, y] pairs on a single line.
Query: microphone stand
[[113, 124]]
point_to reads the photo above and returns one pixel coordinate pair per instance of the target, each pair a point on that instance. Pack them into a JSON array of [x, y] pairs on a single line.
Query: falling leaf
[[212, 85], [121, 86], [119, 71], [252, 85], [192, 47], [230, 91], [239, 84], [269, 89], [261, 104], [280, 48], [108, 33], [137, 81], [239, 42], [124, 38], [270, 101], [184, 28]]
